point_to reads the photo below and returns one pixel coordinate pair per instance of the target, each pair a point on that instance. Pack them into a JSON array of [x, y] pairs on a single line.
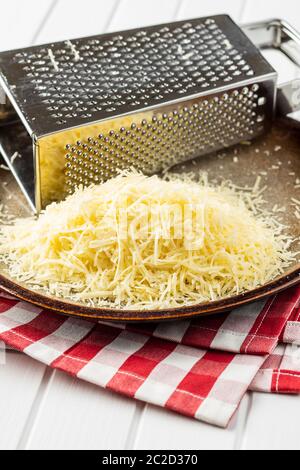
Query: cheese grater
[[76, 112]]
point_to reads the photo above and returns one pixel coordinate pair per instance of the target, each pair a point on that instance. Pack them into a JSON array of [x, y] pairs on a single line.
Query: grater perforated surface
[[152, 144], [89, 79], [147, 98]]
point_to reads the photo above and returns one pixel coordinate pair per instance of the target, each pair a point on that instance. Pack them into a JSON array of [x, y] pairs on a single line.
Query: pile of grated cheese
[[78, 249], [5, 217]]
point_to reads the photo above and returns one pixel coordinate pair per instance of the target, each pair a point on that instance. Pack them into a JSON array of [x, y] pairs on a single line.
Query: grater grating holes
[[166, 139], [132, 70]]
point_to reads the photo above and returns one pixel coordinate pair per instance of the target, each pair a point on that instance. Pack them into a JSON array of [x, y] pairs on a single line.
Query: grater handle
[[280, 35], [275, 34]]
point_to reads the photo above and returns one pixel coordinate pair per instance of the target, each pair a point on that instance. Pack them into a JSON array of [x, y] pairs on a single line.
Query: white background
[[41, 409]]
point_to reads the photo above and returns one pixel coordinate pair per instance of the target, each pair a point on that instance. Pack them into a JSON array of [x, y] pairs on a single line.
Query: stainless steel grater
[[77, 112]]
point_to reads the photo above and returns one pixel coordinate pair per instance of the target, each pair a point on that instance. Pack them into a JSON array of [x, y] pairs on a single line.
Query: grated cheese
[[14, 157], [74, 51], [79, 249], [53, 60], [4, 167], [5, 217]]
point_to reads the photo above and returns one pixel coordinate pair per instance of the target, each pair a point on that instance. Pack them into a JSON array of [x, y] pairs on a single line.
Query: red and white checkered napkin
[[280, 372], [200, 368]]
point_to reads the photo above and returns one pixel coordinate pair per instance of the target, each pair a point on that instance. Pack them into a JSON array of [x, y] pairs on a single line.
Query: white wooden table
[[42, 409]]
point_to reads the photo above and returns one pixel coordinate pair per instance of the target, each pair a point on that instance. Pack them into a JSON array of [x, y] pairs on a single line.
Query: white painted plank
[[74, 414], [2, 353], [77, 415], [20, 376], [135, 13], [196, 8], [70, 19], [20, 21], [285, 68], [175, 432], [20, 379], [160, 429], [273, 423], [288, 10]]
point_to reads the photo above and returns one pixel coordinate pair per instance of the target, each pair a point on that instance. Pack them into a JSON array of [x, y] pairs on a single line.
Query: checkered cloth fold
[[200, 368], [251, 329]]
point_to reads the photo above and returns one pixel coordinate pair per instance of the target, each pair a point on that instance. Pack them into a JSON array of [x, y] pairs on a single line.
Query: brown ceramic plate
[[277, 155]]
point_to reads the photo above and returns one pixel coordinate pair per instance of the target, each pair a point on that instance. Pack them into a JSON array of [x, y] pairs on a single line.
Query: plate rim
[[66, 307]]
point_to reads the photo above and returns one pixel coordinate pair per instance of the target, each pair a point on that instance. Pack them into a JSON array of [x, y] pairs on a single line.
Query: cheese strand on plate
[[139, 242]]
